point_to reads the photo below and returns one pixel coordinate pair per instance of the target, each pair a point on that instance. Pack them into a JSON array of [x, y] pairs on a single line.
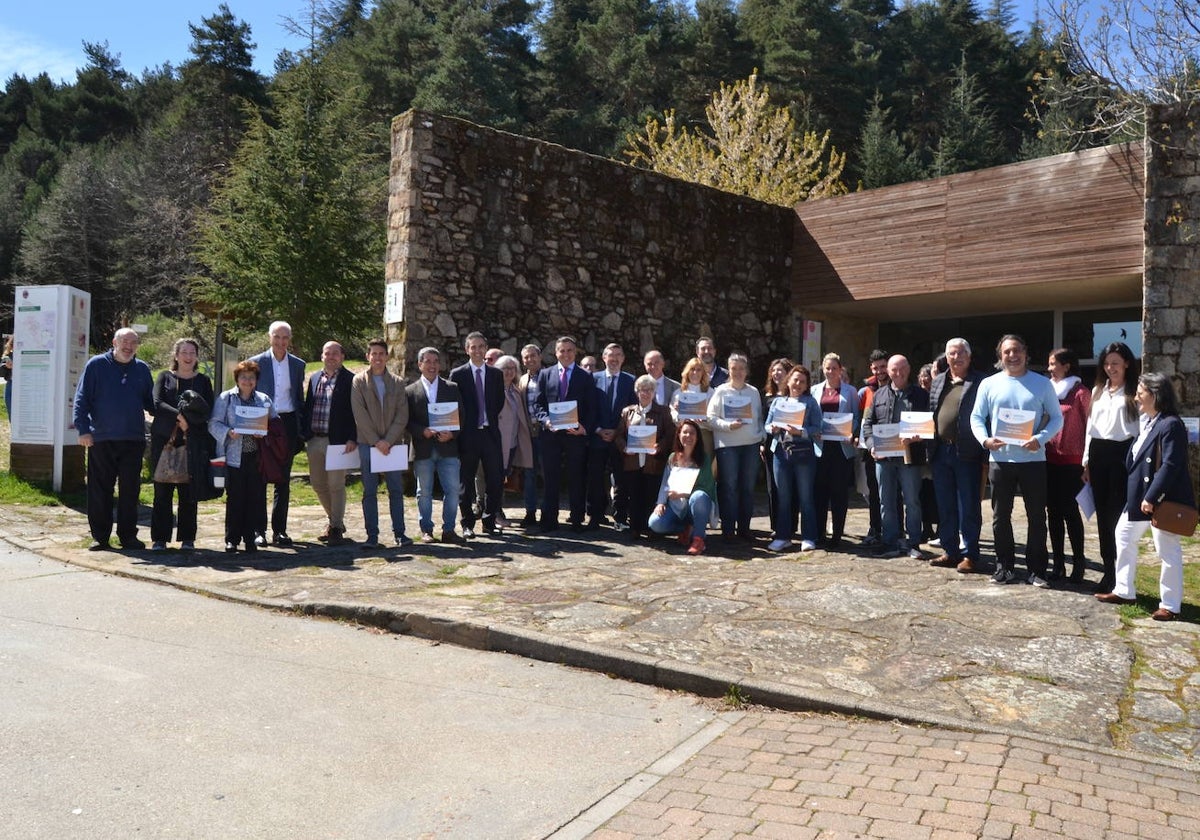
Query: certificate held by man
[[564, 415], [835, 426], [1014, 425], [736, 407], [641, 440], [692, 405], [394, 461], [886, 441], [443, 417], [250, 420]]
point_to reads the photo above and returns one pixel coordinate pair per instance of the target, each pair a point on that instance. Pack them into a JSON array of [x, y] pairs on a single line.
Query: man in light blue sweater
[[1016, 414]]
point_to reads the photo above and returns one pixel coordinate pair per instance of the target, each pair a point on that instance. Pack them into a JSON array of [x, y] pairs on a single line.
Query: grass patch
[[450, 569], [17, 491], [1146, 583], [735, 697]]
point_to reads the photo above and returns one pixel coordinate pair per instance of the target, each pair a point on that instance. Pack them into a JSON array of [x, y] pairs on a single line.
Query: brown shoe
[[966, 567], [1163, 614], [945, 561], [1113, 598]]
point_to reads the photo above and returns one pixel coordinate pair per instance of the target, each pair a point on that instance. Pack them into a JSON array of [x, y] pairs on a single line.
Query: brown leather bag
[[1175, 517]]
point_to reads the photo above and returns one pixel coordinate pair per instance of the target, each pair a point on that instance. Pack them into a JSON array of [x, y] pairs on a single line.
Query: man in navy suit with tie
[[565, 449], [481, 387], [614, 391]]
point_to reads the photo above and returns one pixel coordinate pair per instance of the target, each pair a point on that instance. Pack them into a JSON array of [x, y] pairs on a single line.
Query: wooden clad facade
[[1062, 231]]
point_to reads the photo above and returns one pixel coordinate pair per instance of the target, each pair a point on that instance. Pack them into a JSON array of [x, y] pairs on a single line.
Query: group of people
[[650, 454]]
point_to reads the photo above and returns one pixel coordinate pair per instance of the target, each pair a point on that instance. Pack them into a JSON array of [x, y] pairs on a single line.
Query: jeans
[[795, 481], [737, 468], [1030, 478], [447, 469], [896, 478], [697, 510], [370, 501], [530, 478], [956, 485]]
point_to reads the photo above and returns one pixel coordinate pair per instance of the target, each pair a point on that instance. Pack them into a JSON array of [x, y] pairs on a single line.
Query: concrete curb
[[658, 672]]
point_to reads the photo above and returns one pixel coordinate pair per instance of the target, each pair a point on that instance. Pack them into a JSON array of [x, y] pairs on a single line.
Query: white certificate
[[640, 440], [443, 416], [394, 461], [337, 458], [564, 415], [837, 426], [1014, 425], [1086, 501], [692, 405], [789, 411], [682, 479], [250, 420], [916, 424], [736, 407], [1192, 424], [885, 438]]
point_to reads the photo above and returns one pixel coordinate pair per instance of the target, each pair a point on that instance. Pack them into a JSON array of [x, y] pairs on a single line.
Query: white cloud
[[24, 54]]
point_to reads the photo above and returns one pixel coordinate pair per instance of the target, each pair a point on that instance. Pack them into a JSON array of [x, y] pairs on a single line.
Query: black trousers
[[1030, 479], [605, 474], [283, 489], [873, 505], [162, 519], [564, 460], [1109, 479], [114, 464], [835, 473], [476, 448], [245, 500], [643, 495], [1063, 483]]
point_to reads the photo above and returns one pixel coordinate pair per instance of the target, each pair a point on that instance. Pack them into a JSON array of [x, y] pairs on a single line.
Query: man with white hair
[[113, 395], [957, 459]]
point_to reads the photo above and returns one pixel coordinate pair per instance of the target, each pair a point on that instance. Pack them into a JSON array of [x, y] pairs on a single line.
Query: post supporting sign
[[50, 348]]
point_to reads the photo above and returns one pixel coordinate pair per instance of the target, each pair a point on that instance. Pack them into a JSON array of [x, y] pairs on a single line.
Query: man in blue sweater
[[1015, 415], [114, 393]]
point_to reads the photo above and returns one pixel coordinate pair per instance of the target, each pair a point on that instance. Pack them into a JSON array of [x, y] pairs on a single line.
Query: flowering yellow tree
[[752, 150]]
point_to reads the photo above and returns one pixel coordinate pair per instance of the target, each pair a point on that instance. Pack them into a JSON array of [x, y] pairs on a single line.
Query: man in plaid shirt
[[330, 422]]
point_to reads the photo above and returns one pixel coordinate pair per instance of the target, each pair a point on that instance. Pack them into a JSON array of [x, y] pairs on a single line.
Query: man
[[481, 387], [957, 460], [113, 394], [614, 391], [565, 449], [330, 421], [706, 352], [1017, 466], [531, 358], [898, 474], [381, 419], [589, 364], [492, 355], [434, 450], [664, 386], [281, 377], [877, 362]]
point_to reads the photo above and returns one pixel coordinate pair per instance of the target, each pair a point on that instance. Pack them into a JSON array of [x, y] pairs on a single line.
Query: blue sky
[[147, 33]]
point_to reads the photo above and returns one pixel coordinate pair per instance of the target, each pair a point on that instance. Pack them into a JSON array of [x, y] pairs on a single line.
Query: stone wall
[[525, 240]]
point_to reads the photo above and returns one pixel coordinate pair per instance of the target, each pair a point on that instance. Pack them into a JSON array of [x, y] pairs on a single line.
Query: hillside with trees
[[210, 186]]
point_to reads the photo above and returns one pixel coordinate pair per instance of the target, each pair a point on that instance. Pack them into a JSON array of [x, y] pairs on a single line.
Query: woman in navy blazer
[[1158, 472]]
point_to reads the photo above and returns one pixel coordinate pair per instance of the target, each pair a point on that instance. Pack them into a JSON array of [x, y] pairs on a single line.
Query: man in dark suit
[[614, 391], [957, 460], [435, 451], [330, 421], [565, 449], [481, 388], [281, 377]]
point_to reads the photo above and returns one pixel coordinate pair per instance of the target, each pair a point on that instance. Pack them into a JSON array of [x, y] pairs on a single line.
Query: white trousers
[[1170, 552]]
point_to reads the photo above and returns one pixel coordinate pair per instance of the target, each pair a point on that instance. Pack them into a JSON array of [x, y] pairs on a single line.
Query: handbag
[[172, 466], [1175, 517]]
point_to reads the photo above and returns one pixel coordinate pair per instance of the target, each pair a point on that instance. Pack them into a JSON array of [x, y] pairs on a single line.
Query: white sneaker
[[934, 543], [1040, 583], [779, 545], [808, 545]]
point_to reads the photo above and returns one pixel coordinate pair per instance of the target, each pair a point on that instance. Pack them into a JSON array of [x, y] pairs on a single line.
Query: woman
[[1064, 464], [686, 512], [177, 420], [6, 370], [794, 462], [245, 490], [1112, 425], [774, 387], [835, 460], [643, 471], [694, 380], [515, 440], [735, 414], [1158, 472]]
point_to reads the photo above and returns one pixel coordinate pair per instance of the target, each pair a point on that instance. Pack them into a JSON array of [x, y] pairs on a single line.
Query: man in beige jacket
[[380, 409]]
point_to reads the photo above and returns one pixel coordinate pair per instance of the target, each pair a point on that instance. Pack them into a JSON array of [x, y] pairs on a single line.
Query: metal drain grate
[[534, 596]]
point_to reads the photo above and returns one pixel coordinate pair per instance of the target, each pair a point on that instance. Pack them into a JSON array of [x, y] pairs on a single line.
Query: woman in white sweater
[[735, 415]]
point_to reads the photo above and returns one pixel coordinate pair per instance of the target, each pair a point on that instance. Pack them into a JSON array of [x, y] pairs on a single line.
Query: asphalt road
[[134, 710]]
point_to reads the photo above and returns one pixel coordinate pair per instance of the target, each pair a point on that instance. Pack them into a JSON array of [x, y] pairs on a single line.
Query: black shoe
[[100, 545], [231, 548], [281, 539], [132, 545], [468, 532], [252, 547], [1077, 570], [529, 521], [592, 525], [1105, 584], [260, 541], [546, 528]]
